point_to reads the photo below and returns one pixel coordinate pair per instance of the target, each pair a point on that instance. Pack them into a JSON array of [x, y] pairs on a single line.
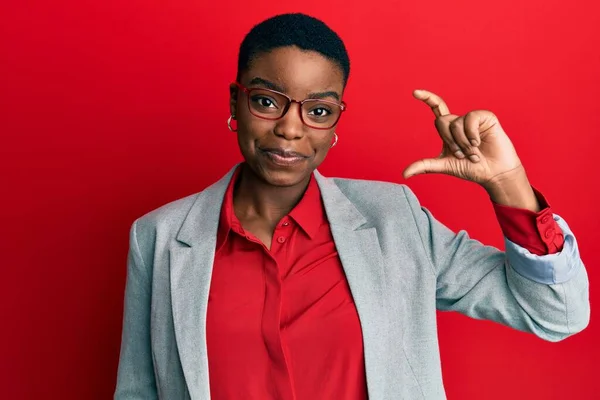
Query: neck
[[254, 198]]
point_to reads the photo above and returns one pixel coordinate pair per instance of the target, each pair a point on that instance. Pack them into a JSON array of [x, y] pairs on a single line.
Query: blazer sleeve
[[135, 376], [546, 295]]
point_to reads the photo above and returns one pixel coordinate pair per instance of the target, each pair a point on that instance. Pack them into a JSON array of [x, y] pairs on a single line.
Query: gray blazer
[[401, 264]]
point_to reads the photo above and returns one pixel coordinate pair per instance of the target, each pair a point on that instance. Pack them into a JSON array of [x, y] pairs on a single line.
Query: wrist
[[512, 189]]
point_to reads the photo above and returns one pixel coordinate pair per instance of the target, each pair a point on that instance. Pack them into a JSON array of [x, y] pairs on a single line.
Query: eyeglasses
[[272, 105]]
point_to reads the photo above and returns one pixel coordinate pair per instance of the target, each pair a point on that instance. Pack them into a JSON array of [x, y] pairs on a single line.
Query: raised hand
[[475, 147]]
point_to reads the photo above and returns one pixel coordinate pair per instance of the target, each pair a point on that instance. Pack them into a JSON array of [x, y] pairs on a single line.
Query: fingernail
[[474, 158], [459, 154], [474, 142]]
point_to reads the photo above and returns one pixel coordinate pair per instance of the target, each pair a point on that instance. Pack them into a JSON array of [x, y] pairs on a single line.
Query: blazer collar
[[340, 210], [203, 218]]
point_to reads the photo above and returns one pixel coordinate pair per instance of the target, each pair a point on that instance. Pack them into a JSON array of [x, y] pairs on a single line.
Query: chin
[[285, 178], [282, 177]]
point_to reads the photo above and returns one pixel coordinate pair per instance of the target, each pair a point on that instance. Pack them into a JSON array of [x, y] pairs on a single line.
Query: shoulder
[[379, 201], [163, 221], [169, 217], [373, 192], [172, 211]]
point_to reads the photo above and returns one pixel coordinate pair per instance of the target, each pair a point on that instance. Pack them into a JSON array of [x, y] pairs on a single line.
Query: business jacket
[[401, 265]]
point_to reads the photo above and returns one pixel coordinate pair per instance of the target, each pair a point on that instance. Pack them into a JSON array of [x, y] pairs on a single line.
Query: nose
[[290, 126]]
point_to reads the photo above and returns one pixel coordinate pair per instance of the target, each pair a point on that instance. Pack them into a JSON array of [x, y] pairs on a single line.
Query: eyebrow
[[322, 95], [267, 84], [273, 86]]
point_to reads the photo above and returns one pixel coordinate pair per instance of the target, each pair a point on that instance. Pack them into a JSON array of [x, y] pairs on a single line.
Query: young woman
[[279, 283]]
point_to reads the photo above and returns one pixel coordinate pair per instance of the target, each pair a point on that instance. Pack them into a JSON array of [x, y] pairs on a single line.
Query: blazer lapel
[[360, 254], [191, 263]]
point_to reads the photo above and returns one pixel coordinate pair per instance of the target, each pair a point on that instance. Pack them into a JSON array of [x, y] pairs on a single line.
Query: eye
[[264, 102], [319, 112]]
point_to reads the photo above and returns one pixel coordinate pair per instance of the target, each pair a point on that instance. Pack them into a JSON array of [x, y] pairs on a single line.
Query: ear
[[233, 96]]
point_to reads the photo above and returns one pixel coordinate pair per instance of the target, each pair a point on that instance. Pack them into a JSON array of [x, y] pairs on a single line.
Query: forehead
[[297, 71]]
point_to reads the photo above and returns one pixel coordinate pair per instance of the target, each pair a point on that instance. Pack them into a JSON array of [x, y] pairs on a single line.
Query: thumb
[[426, 166]]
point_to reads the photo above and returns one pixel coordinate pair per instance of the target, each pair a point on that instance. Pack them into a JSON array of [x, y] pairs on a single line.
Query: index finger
[[437, 104]]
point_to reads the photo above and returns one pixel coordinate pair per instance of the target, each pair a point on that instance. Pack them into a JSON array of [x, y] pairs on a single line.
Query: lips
[[283, 157], [282, 152]]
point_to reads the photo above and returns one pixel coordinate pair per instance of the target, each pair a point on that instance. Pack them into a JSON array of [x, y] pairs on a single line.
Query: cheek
[[322, 144], [251, 129]]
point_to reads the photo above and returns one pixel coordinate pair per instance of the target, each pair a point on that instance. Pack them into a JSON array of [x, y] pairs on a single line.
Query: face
[[285, 152]]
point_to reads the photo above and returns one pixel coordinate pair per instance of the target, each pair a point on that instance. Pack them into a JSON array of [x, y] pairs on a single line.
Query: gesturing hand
[[475, 148]]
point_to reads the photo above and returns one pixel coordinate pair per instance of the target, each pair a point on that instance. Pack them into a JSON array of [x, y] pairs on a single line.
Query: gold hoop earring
[[231, 117], [334, 141]]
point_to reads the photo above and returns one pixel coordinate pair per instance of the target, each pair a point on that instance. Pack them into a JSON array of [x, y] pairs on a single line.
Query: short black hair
[[300, 30]]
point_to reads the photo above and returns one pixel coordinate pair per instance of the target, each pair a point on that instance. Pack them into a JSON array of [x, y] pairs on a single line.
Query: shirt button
[[286, 223], [549, 233], [545, 219], [281, 239]]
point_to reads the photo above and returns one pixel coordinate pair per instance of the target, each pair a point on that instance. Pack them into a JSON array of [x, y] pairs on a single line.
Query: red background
[[110, 109]]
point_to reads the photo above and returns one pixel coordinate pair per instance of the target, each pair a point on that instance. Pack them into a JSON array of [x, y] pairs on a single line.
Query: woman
[[279, 283]]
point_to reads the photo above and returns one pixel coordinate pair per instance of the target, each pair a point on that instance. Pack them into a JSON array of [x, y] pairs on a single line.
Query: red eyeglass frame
[[246, 90]]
